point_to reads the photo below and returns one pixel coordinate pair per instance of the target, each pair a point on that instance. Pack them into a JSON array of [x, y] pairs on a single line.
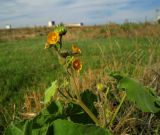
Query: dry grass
[[129, 119], [32, 104], [87, 32]]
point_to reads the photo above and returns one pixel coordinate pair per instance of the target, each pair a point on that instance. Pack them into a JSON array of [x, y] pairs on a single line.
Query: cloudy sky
[[20, 13]]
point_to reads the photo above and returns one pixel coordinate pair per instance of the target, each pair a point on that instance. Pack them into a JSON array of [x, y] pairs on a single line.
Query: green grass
[[26, 65], [128, 52]]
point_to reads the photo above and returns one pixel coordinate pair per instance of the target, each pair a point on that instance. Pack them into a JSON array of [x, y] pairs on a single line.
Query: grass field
[[25, 66]]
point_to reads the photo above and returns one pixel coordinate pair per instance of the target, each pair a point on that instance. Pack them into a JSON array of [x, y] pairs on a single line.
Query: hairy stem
[[91, 115]]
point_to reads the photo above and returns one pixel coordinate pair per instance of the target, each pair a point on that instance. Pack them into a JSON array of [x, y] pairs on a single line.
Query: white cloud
[[26, 12]]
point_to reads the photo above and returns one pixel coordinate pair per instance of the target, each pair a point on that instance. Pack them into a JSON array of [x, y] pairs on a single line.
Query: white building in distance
[[8, 26], [51, 23], [74, 24]]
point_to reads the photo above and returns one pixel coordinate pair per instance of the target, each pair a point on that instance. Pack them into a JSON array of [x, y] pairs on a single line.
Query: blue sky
[[20, 13]]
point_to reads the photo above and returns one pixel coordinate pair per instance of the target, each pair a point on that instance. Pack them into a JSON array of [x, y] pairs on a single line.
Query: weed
[[134, 56]]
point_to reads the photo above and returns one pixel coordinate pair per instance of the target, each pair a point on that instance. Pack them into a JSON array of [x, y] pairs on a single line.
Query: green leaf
[[28, 127], [49, 93], [13, 130], [55, 107], [136, 92], [77, 114], [39, 125], [89, 99], [47, 115], [40, 131], [64, 127]]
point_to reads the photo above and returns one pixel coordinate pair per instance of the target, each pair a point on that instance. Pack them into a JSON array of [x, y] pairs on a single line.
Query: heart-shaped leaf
[[136, 92]]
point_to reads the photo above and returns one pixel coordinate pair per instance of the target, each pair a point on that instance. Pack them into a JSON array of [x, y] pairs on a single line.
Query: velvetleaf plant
[[79, 115]]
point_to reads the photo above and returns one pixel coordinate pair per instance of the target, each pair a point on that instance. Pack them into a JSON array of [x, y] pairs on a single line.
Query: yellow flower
[[75, 49], [77, 65], [53, 38]]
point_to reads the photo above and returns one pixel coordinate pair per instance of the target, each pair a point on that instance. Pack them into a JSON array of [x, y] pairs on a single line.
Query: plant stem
[[118, 108], [84, 107], [76, 88], [91, 115]]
